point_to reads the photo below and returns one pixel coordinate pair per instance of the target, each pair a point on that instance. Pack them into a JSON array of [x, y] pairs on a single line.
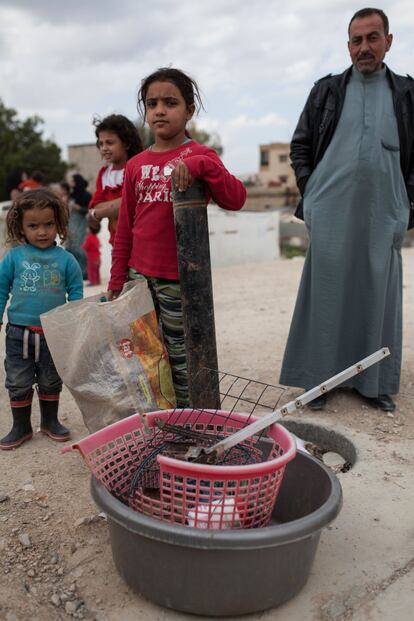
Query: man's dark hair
[[370, 11]]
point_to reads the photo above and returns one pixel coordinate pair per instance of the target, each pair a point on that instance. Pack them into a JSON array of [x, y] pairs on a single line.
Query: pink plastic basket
[[127, 457]]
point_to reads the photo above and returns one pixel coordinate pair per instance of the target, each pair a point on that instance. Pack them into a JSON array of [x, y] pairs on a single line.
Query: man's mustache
[[365, 57]]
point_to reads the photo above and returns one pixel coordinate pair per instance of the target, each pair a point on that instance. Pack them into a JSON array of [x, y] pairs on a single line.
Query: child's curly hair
[[41, 198], [126, 131]]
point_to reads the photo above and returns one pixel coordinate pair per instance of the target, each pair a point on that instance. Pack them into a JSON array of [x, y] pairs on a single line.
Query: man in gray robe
[[353, 156]]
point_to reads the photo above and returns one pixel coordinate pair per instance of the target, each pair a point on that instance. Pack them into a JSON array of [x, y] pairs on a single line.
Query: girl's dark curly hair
[[123, 128], [186, 85], [41, 198]]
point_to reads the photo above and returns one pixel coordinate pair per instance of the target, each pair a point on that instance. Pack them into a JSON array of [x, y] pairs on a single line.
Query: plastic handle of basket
[[305, 398]]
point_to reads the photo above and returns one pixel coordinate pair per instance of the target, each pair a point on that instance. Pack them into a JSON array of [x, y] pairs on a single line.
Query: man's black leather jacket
[[320, 117]]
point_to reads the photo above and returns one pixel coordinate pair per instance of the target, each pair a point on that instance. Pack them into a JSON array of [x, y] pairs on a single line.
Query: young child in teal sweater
[[38, 275]]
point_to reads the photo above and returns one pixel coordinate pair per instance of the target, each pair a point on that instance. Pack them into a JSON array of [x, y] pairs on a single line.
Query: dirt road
[[55, 555]]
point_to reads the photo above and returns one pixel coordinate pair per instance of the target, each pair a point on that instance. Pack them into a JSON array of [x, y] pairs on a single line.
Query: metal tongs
[[194, 453]]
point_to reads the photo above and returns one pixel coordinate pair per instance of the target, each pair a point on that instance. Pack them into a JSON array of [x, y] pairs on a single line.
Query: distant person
[[92, 246], [145, 246], [38, 275], [13, 181], [79, 199], [353, 156], [63, 190], [117, 140], [32, 182]]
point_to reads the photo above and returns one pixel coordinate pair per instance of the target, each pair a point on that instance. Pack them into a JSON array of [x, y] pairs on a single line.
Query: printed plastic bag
[[110, 355]]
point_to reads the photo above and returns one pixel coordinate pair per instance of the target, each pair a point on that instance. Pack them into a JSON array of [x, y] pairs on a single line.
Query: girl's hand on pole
[[182, 177]]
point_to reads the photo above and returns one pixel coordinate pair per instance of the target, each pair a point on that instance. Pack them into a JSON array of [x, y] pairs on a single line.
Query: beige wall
[[86, 160], [275, 165]]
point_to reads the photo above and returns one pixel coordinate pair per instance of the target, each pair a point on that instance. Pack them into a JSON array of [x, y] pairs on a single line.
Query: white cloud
[[299, 70], [254, 61], [269, 120]]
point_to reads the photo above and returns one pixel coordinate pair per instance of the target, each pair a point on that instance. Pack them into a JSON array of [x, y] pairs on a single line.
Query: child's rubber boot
[[22, 428], [49, 423]]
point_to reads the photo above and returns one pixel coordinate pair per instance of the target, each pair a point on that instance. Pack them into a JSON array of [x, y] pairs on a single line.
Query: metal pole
[[195, 452], [193, 251]]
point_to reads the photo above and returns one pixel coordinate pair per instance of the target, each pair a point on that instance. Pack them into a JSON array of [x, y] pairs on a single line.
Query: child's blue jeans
[[23, 373]]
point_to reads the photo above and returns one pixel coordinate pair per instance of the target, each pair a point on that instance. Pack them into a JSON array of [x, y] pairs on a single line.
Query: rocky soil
[[55, 556]]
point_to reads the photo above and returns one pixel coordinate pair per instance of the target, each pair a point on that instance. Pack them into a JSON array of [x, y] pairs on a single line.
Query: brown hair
[[185, 84], [41, 198]]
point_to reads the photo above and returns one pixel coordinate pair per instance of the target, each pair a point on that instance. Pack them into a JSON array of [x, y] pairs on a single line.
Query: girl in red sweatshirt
[[145, 245], [117, 139]]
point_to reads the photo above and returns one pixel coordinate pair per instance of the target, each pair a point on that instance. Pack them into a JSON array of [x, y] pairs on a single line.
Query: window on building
[[264, 157], [283, 157]]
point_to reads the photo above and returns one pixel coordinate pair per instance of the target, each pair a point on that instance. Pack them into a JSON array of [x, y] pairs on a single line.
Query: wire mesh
[[208, 495], [144, 460], [237, 395], [240, 394]]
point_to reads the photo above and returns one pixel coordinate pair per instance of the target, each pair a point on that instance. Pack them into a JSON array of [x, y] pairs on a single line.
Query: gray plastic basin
[[228, 572]]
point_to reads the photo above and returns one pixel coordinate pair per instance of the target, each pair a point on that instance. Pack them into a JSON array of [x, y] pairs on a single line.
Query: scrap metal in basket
[[145, 460], [205, 468]]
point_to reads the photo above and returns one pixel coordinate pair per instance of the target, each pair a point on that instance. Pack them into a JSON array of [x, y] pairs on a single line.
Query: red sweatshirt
[[145, 236]]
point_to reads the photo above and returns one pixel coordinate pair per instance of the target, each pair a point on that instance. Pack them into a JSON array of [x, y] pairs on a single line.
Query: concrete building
[[275, 169], [274, 186], [86, 160]]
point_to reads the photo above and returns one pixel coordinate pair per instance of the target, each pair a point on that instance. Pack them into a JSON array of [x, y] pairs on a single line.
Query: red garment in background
[[30, 184], [91, 246]]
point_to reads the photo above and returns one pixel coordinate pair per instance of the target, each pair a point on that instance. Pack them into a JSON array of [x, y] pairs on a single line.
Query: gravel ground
[[55, 554]]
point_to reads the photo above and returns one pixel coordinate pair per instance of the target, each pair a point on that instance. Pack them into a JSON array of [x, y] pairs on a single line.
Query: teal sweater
[[38, 280]]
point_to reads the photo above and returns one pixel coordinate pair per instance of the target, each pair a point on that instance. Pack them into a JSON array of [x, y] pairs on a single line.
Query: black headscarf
[[79, 193]]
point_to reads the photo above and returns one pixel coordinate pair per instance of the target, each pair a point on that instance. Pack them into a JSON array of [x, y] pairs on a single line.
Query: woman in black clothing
[[78, 204]]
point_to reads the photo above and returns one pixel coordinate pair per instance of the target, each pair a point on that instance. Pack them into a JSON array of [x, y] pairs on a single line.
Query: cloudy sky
[[255, 61]]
